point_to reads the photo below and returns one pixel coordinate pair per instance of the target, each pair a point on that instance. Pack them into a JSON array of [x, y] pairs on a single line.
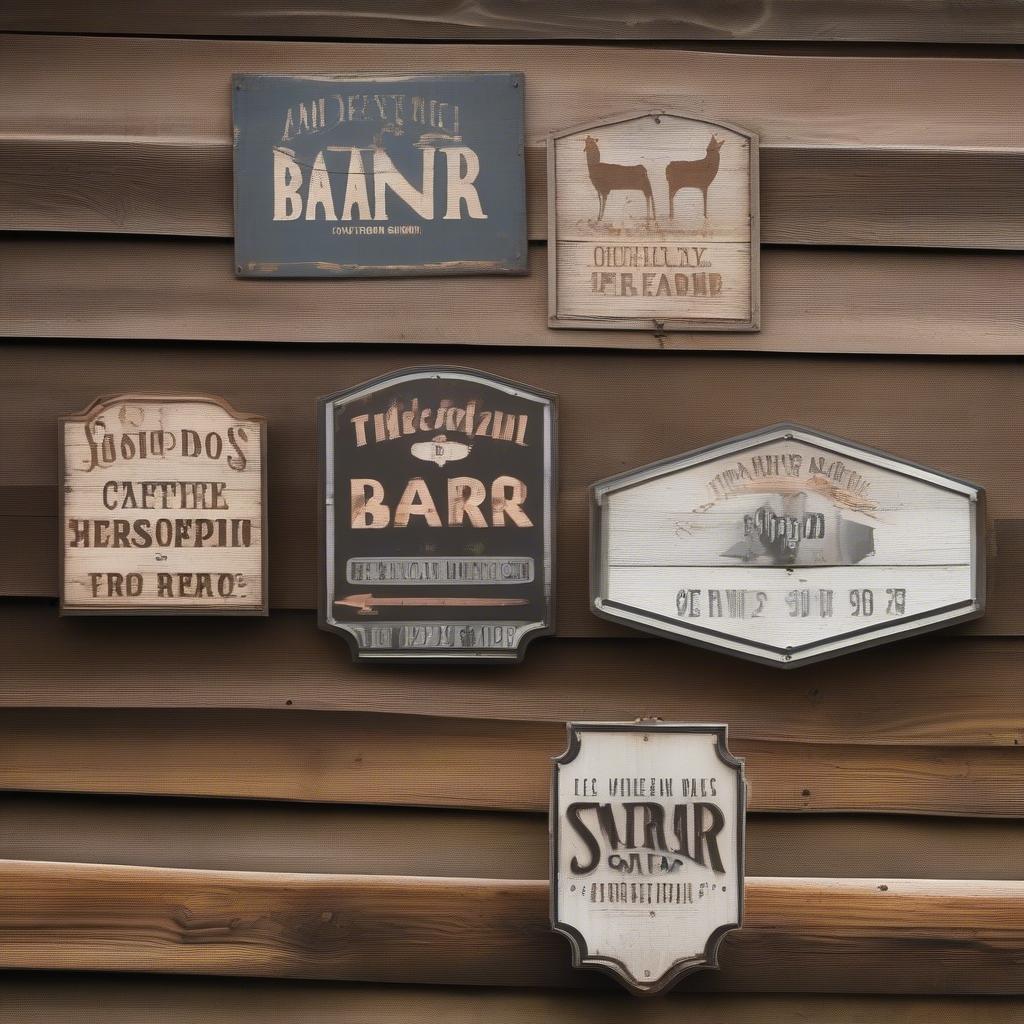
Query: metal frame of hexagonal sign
[[653, 224], [647, 833], [787, 546]]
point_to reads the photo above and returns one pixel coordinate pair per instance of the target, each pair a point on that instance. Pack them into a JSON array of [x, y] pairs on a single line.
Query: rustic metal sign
[[787, 546], [653, 225], [437, 533], [341, 176], [647, 825], [163, 508]]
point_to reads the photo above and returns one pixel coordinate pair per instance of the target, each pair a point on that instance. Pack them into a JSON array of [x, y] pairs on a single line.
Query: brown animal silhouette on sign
[[616, 177], [693, 174]]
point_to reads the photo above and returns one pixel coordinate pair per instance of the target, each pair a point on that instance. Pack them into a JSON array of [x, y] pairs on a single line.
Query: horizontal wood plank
[[30, 560], [959, 417], [810, 194], [932, 691], [247, 835], [45, 997], [487, 765], [180, 87], [805, 935], [914, 21], [813, 300], [845, 160]]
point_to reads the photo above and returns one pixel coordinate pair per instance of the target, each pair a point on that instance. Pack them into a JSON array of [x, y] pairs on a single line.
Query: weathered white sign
[[647, 824], [787, 546], [163, 507], [653, 225]]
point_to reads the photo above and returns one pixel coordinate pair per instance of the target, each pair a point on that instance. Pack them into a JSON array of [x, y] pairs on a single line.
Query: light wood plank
[[909, 935], [493, 765]]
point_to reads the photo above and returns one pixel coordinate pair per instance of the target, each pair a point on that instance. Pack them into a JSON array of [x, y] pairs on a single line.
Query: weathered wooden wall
[[195, 797]]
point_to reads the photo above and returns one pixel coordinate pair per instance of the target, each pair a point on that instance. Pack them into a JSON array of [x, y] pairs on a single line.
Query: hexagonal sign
[[787, 546]]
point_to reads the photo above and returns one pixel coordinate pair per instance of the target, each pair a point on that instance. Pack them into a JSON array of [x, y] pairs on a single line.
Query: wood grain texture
[[45, 997], [909, 407], [846, 159], [812, 194], [427, 762], [30, 561], [856, 301], [949, 692], [180, 87], [247, 835], [809, 934], [915, 21], [133, 454]]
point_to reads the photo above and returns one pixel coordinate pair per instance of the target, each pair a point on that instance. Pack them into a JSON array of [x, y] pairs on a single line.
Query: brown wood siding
[[55, 81], [812, 194], [42, 998], [952, 692], [455, 762], [865, 301], [220, 798], [959, 417], [319, 838], [806, 935], [915, 21]]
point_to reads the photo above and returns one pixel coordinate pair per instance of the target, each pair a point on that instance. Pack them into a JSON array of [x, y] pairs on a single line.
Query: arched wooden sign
[[787, 546], [163, 508], [647, 825], [653, 225]]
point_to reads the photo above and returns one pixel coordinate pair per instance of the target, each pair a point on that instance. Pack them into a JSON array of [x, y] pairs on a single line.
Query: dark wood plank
[[956, 416], [915, 21], [487, 765], [804, 935], [813, 300], [933, 691], [45, 998], [249, 835], [811, 194]]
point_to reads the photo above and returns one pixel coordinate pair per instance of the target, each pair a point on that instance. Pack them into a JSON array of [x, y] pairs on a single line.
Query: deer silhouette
[[693, 174], [616, 177]]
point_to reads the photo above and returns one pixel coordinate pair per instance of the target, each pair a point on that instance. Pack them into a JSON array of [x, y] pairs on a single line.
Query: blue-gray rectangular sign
[[340, 176]]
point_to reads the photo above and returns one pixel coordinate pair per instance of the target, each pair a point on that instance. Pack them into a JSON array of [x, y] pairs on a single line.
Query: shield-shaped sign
[[647, 825], [438, 515], [787, 546]]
